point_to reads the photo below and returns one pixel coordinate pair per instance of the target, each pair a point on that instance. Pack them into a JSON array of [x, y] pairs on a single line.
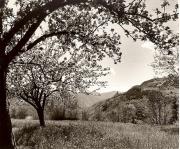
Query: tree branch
[[147, 18], [32, 63], [44, 37], [38, 13], [153, 39], [130, 4], [2, 49], [53, 91], [2, 4], [40, 95], [44, 101], [14, 52], [140, 15], [27, 100]]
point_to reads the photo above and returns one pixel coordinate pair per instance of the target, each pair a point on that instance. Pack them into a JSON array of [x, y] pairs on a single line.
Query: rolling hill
[[135, 104]]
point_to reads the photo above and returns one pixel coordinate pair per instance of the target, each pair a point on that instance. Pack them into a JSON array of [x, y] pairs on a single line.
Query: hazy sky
[[136, 60]]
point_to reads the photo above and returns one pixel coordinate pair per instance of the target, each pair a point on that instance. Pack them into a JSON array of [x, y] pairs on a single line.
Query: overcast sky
[[136, 60]]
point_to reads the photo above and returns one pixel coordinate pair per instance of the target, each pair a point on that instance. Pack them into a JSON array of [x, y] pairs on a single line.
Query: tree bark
[[159, 112], [40, 113], [5, 121]]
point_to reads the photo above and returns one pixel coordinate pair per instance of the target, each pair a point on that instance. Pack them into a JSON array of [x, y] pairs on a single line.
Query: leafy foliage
[[65, 108], [167, 64], [19, 25]]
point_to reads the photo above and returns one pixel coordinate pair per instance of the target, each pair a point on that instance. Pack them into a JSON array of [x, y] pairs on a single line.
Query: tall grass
[[95, 135]]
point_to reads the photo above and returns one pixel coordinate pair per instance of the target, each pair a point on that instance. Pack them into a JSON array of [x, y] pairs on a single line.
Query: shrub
[[71, 115], [85, 115], [127, 113], [175, 110], [113, 116], [20, 113], [57, 113], [13, 113], [134, 93]]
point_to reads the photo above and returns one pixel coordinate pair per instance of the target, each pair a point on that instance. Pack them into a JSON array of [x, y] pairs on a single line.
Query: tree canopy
[[167, 64], [19, 27]]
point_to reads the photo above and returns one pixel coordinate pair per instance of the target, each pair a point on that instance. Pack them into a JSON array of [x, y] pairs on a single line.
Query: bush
[[85, 115], [20, 113], [57, 113], [128, 113], [113, 116], [134, 93], [71, 115], [13, 113]]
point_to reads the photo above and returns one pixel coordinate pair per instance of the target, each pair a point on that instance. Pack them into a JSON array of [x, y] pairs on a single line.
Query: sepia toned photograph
[[89, 74]]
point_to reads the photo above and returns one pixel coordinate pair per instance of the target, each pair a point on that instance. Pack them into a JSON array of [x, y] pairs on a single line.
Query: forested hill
[[154, 101]]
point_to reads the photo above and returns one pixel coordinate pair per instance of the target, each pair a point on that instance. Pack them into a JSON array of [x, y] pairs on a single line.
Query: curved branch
[[2, 4], [130, 4], [44, 101], [140, 15], [14, 52], [141, 30], [50, 93], [44, 37], [127, 32], [37, 13], [27, 100], [147, 18]]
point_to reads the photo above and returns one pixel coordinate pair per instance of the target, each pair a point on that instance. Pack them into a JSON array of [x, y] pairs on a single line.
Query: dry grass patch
[[94, 135]]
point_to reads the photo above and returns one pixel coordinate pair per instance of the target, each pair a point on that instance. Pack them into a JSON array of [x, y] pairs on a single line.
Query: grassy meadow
[[93, 135]]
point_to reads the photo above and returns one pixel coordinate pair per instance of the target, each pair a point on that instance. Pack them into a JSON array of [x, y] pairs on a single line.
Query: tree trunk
[[40, 113], [159, 112], [5, 121]]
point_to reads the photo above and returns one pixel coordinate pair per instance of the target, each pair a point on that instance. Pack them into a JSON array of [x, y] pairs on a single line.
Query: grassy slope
[[93, 135]]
